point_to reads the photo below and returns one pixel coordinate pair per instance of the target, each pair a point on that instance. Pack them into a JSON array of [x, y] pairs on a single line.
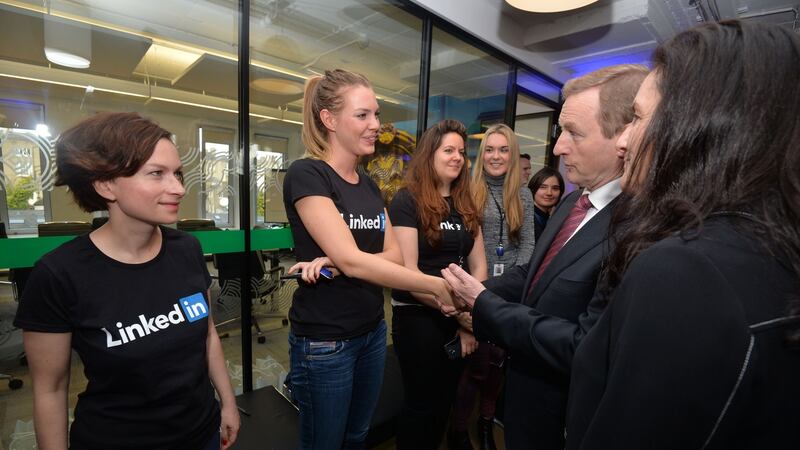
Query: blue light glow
[[598, 63]]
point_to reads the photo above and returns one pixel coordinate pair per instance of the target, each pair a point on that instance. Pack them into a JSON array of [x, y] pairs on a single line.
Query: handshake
[[455, 292], [458, 291]]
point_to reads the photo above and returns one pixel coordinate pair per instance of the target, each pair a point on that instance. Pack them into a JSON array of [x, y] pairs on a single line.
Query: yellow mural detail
[[387, 165]]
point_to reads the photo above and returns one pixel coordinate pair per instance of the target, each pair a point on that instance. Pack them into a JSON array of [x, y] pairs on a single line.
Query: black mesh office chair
[[98, 222], [263, 282], [6, 332], [197, 225], [19, 277], [64, 228], [10, 282]]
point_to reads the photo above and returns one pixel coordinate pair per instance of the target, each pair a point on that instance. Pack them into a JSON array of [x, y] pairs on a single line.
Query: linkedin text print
[[378, 222], [188, 309]]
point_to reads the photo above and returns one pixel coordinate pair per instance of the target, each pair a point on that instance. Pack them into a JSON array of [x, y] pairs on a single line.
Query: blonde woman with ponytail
[[341, 230]]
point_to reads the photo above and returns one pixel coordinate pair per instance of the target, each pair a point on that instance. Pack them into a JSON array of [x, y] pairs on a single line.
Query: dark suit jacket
[[541, 330]]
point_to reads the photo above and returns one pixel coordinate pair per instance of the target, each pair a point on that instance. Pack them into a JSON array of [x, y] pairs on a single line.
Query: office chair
[[10, 281], [197, 225], [98, 222], [64, 228], [263, 283], [19, 277], [229, 267], [5, 333]]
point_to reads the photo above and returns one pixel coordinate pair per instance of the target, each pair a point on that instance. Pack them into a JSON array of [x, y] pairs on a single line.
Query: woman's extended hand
[[309, 271], [444, 298], [465, 287]]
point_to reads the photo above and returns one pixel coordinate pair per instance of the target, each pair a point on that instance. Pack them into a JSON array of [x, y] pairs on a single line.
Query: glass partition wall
[[467, 84], [533, 125], [288, 45], [63, 61], [180, 63]]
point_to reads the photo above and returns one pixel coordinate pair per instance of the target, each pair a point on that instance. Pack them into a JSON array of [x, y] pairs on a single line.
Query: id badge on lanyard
[[498, 269]]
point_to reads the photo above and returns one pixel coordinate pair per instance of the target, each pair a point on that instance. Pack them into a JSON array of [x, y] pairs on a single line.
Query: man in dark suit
[[541, 310]]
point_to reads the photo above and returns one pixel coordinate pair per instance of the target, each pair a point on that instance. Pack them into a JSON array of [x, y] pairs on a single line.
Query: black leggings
[[419, 334]]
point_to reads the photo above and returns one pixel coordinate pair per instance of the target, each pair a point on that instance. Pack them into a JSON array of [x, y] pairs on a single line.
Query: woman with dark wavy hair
[[698, 346]]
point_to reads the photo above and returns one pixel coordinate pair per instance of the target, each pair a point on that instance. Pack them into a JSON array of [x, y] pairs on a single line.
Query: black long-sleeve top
[[691, 353]]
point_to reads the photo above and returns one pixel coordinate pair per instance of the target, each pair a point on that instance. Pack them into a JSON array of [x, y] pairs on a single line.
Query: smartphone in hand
[[324, 272], [453, 349]]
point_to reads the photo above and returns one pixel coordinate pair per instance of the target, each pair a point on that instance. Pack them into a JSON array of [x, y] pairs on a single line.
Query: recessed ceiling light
[[66, 59], [67, 43], [280, 86], [548, 6]]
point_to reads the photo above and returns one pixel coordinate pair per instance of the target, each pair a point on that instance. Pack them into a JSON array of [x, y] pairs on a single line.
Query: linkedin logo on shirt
[[377, 222], [188, 309]]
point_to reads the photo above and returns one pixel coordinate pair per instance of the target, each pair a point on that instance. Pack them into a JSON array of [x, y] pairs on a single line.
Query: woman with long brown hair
[[436, 223]]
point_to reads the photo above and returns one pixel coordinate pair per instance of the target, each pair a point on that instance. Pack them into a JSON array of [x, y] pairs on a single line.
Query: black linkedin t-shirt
[[140, 331], [455, 246], [343, 307]]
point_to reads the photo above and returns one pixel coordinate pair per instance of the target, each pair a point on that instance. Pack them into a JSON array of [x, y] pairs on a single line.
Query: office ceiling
[[135, 44], [616, 31], [186, 50]]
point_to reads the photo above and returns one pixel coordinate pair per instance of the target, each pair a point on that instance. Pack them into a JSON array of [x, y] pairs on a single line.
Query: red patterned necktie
[[574, 219]]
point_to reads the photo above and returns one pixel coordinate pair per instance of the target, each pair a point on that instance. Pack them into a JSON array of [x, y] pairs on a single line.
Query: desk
[[272, 423], [19, 252]]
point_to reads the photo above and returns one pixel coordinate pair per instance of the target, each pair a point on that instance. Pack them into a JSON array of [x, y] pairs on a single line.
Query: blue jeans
[[336, 385], [214, 443]]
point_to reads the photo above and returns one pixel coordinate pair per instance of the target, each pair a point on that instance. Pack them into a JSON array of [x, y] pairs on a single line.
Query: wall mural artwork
[[264, 173], [209, 175], [18, 160], [27, 175], [266, 180], [387, 165], [215, 170], [212, 175], [192, 179]]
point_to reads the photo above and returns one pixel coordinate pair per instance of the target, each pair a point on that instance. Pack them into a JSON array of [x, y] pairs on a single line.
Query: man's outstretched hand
[[465, 288]]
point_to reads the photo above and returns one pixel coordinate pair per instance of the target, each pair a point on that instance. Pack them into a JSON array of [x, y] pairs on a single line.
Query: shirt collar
[[603, 195]]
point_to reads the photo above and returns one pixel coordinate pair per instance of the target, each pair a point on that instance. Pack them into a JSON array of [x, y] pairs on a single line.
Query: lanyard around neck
[[499, 250]]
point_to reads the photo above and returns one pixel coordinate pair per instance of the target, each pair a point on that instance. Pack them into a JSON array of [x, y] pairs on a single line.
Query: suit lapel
[[593, 233], [549, 233]]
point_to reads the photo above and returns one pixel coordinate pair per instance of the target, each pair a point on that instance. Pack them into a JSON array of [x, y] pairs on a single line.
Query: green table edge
[[24, 252]]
